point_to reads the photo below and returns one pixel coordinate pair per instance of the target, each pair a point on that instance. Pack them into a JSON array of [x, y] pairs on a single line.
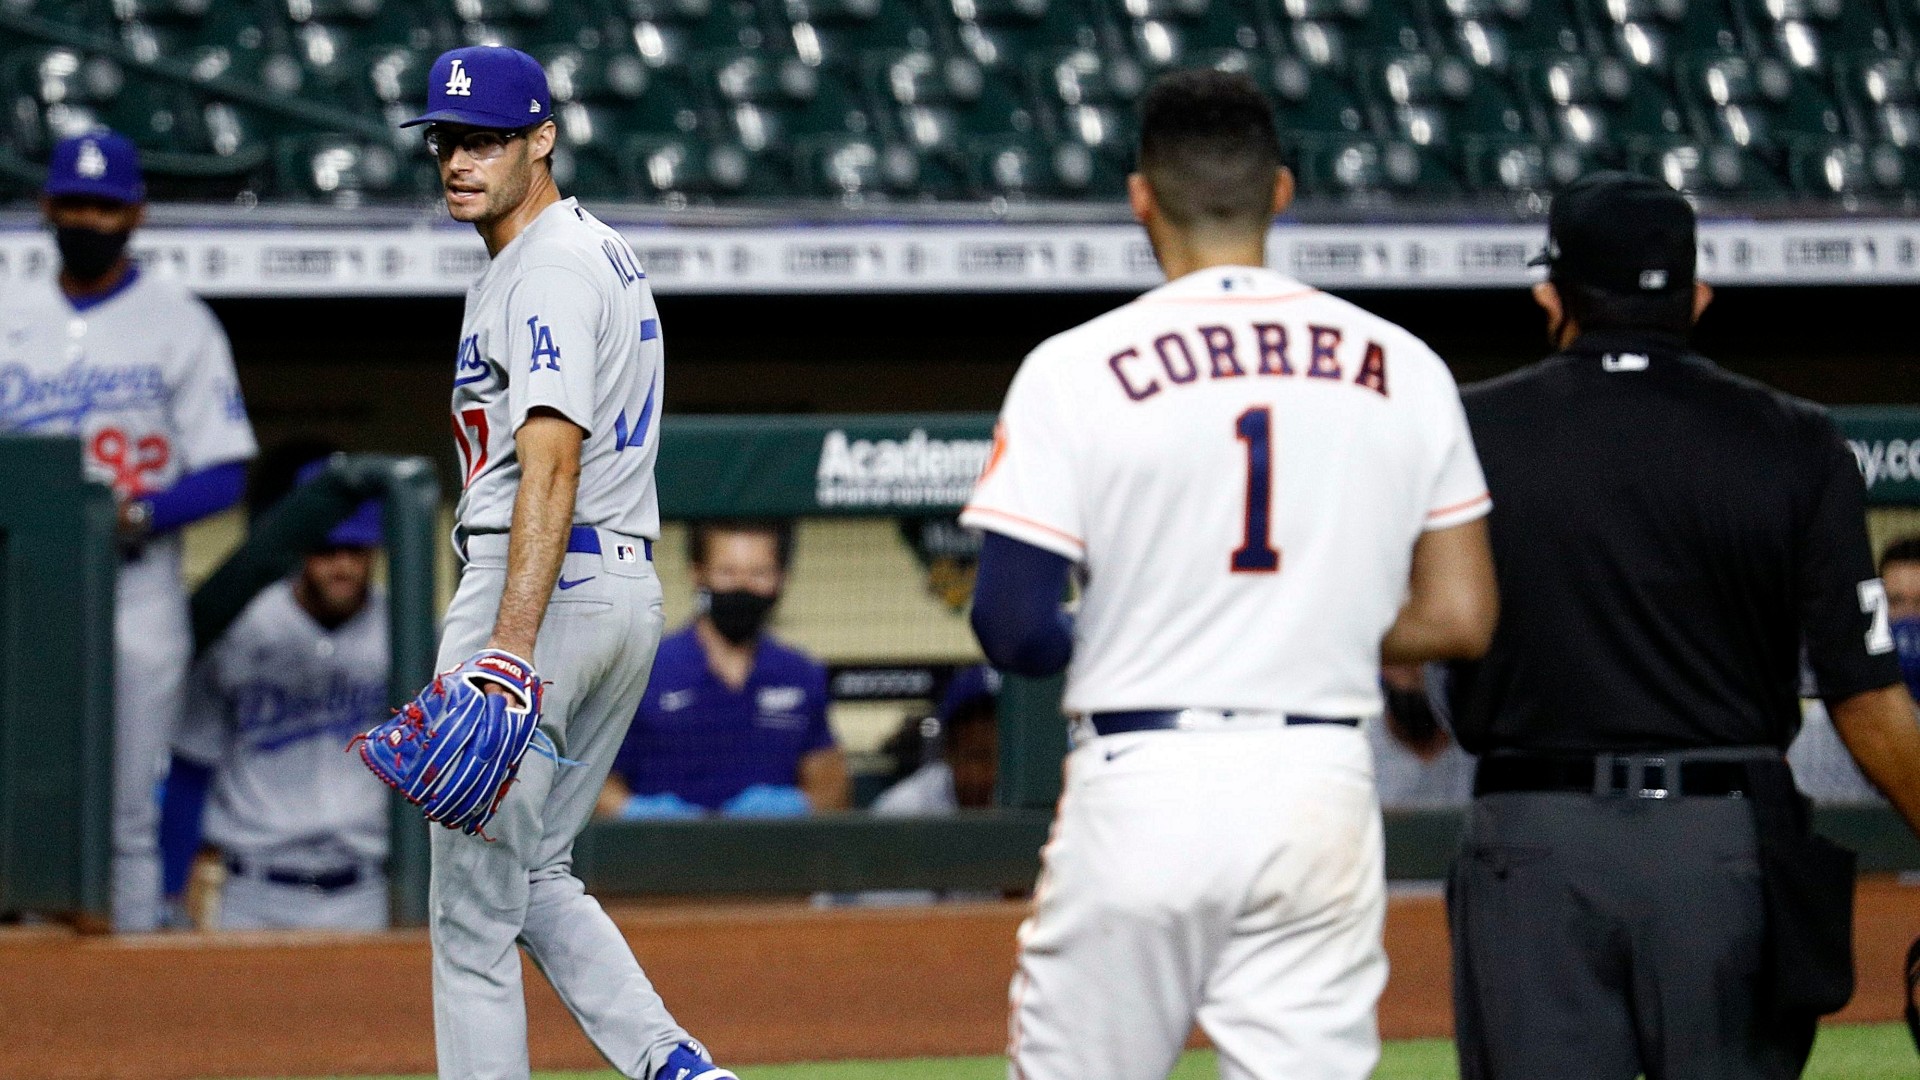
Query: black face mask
[[739, 615], [87, 254]]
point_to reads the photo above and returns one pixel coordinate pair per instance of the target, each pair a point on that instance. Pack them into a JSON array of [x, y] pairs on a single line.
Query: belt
[[585, 540], [327, 881], [1640, 776], [1119, 723], [581, 540]]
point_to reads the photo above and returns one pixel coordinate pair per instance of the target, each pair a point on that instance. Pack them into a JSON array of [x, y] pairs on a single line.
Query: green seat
[[1187, 33], [1003, 35], [676, 168], [1883, 92], [600, 74], [1025, 167], [853, 169], [669, 34], [1652, 33], [1508, 165], [1845, 169], [840, 33], [1362, 168], [1488, 32], [1704, 167], [1596, 100], [339, 170]]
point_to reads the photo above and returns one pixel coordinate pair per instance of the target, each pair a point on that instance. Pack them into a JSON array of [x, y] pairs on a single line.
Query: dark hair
[[1603, 309], [1209, 148], [1905, 549], [277, 468], [700, 533]]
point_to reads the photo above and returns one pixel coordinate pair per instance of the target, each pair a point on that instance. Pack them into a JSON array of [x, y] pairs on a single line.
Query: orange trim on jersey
[[1229, 299], [1029, 522], [1456, 507]]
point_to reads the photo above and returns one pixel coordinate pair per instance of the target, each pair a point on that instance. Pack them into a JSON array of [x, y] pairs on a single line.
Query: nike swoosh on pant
[[565, 584]]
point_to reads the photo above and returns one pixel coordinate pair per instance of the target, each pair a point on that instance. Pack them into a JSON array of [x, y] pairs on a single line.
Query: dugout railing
[[56, 619]]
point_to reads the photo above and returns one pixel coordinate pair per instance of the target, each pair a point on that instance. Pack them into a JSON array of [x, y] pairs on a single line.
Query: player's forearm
[[1453, 601], [542, 520], [1879, 730], [1016, 607], [823, 777]]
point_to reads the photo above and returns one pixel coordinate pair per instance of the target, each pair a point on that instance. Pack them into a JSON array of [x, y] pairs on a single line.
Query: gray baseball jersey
[[143, 376], [269, 708], [562, 319]]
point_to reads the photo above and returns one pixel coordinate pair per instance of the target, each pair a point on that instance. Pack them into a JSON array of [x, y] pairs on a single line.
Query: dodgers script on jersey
[[1246, 463], [144, 377], [562, 319], [269, 707]]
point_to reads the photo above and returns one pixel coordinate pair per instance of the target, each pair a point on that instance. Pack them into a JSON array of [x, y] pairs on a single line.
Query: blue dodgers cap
[[100, 164], [488, 86], [365, 527]]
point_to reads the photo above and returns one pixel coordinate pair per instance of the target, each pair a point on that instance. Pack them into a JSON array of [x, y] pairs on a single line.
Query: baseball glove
[[454, 750]]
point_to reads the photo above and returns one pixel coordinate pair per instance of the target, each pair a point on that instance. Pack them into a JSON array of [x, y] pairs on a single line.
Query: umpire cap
[[1620, 233]]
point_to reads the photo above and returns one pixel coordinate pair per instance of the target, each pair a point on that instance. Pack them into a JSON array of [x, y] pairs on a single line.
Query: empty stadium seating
[[866, 102]]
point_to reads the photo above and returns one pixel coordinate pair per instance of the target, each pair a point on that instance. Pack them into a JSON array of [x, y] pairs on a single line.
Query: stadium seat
[[600, 74], [675, 168], [852, 168], [339, 170], [1363, 168], [1703, 167], [1018, 167], [1884, 92], [1523, 166], [1845, 169]]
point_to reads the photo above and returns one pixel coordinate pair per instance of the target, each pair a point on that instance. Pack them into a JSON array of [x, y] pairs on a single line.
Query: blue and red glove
[[454, 750]]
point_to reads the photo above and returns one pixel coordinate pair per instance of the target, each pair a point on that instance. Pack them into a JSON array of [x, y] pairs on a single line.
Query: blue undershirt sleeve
[[197, 495], [1016, 607], [180, 813]]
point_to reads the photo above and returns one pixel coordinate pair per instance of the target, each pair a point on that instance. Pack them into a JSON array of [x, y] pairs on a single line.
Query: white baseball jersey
[[270, 707], [562, 319], [1241, 464], [145, 377]]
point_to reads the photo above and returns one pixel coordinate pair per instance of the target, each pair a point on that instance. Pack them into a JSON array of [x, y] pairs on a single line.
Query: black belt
[[1119, 723], [330, 881], [1643, 776]]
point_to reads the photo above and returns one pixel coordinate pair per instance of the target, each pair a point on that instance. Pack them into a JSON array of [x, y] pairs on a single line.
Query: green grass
[[1865, 1052]]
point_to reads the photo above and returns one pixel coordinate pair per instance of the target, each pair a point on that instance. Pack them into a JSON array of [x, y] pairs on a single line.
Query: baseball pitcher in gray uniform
[[139, 370], [556, 400]]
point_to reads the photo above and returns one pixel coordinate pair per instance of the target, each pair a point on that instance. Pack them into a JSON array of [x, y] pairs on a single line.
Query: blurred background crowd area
[[1454, 105]]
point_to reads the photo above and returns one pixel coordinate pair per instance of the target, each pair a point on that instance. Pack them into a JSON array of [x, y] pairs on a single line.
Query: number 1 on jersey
[[1256, 554]]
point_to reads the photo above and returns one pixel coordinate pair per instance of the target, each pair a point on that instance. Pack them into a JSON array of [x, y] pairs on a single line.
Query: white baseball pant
[[1233, 877]]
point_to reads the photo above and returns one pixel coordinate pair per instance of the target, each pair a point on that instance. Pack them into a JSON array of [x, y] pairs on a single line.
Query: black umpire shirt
[[1667, 536]]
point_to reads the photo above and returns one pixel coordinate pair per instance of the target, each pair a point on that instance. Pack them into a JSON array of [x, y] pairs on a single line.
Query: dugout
[[866, 491]]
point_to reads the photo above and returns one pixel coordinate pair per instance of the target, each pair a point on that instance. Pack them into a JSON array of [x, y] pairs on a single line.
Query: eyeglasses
[[481, 144]]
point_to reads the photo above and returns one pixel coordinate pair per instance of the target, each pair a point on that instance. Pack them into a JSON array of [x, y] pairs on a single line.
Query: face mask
[[1906, 645], [739, 615], [87, 254]]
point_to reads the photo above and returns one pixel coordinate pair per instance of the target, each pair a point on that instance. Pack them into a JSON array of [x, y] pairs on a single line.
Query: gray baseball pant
[[595, 650]]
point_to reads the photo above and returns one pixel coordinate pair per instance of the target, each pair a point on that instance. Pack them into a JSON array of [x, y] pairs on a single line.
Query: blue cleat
[[689, 1061]]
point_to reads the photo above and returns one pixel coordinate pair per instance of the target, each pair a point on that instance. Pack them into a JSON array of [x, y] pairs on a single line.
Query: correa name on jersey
[[70, 395], [915, 471], [1217, 352], [270, 716]]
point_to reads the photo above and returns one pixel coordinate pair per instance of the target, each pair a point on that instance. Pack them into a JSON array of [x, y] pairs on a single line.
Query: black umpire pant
[[1610, 936]]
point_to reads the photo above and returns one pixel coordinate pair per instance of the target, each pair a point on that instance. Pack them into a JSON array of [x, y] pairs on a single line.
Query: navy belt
[[585, 540], [330, 881], [1119, 723]]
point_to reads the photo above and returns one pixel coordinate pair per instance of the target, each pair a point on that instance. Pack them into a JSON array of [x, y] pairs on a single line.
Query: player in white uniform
[[1267, 492], [556, 402], [139, 369], [300, 826]]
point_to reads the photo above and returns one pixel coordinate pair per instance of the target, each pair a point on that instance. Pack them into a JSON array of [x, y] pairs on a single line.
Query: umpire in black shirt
[[1639, 890]]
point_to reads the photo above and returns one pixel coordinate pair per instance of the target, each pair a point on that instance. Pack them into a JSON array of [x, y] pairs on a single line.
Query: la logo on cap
[[91, 163], [459, 83]]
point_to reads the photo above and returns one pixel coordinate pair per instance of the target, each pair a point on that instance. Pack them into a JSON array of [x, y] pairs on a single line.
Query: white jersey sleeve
[[1032, 487], [553, 323], [208, 415], [1459, 488]]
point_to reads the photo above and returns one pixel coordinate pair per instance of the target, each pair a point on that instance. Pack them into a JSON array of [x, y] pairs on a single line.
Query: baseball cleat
[[689, 1062]]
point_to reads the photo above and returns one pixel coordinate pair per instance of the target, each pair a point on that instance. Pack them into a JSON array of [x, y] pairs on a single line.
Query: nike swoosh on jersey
[[565, 584]]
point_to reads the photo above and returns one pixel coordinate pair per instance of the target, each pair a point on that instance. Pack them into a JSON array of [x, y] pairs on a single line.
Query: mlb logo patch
[[625, 553]]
